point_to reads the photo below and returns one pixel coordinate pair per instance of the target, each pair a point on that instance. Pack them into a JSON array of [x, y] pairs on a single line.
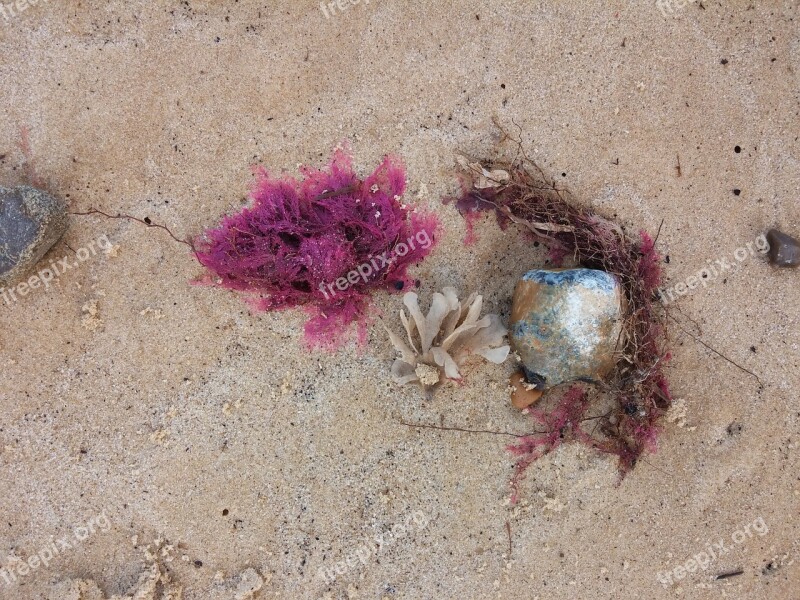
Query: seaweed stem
[[717, 352], [94, 211], [463, 430]]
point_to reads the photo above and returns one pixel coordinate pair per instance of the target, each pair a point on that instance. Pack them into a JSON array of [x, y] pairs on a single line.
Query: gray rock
[[784, 250], [31, 221]]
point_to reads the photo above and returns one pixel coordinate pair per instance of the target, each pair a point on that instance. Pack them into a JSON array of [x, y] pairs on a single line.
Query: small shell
[[523, 394]]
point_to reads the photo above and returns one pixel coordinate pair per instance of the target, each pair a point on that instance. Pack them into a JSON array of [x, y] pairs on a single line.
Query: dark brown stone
[[784, 250]]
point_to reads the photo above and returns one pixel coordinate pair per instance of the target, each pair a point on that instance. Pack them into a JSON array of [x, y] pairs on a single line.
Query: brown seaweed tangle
[[520, 192]]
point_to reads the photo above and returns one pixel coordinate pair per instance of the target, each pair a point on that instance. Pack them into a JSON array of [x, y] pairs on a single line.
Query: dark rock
[[31, 221], [784, 250]]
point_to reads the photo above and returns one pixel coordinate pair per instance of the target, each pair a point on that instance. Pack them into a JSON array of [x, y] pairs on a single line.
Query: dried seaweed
[[324, 243], [519, 192]]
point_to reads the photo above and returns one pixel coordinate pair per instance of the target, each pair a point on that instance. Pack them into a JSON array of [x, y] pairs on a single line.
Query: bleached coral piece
[[440, 342]]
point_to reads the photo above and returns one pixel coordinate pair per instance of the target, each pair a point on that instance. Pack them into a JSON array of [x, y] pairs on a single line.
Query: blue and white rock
[[31, 221], [566, 325]]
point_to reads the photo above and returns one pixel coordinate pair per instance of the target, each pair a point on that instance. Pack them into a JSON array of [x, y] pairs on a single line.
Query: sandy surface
[[213, 456]]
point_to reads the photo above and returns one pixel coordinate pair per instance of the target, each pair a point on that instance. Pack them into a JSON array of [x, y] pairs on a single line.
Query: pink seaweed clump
[[324, 243]]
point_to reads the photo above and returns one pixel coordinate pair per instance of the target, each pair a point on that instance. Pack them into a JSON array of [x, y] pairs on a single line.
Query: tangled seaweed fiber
[[519, 192], [324, 243]]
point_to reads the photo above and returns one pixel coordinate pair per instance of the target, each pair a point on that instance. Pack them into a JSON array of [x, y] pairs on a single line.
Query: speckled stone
[[566, 325], [784, 250], [31, 221]]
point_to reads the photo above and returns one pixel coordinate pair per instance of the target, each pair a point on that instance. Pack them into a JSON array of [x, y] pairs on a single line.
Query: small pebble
[[784, 250], [523, 394], [31, 221]]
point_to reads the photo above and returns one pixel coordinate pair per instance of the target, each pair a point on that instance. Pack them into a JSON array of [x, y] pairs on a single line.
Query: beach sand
[[209, 454]]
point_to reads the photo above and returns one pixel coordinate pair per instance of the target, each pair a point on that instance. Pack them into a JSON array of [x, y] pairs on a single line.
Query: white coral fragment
[[483, 177], [438, 343]]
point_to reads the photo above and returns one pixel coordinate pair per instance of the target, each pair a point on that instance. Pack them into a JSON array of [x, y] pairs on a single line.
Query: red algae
[[324, 243]]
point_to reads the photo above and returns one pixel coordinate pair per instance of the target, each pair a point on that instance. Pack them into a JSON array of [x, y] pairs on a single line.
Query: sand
[[180, 445]]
